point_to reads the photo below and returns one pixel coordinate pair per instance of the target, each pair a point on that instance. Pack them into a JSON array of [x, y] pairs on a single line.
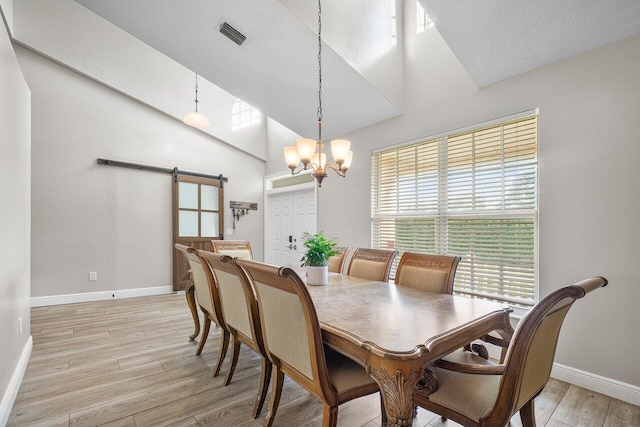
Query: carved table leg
[[190, 294], [397, 380]]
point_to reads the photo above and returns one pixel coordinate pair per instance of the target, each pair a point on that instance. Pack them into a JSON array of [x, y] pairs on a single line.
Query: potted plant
[[316, 259]]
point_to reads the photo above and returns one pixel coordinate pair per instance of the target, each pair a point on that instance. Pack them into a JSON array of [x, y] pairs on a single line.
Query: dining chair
[[473, 391], [294, 344], [233, 248], [240, 312], [337, 262], [208, 300], [372, 264], [433, 273]]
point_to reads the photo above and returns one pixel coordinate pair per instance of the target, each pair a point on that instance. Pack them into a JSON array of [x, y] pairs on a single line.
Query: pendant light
[[195, 119]]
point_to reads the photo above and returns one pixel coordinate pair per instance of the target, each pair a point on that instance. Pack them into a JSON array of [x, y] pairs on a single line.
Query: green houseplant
[[316, 259]]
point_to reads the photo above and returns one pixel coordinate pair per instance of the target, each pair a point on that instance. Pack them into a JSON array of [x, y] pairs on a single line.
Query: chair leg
[[265, 378], [235, 352], [528, 414], [276, 391], [224, 344], [329, 416], [205, 334]]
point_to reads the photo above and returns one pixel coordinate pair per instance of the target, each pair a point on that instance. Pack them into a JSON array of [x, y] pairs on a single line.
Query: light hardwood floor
[[128, 362]]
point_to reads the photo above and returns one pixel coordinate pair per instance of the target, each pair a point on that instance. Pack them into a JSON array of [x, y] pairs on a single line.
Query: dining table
[[395, 332]]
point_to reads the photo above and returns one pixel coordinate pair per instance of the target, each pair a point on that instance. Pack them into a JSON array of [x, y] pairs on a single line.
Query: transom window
[[243, 115], [424, 22], [471, 194]]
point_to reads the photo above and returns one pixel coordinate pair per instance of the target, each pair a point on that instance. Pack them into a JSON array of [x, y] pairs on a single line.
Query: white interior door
[[288, 216]]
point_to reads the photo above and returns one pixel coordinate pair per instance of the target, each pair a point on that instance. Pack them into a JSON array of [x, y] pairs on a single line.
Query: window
[[472, 194], [424, 21], [243, 115]]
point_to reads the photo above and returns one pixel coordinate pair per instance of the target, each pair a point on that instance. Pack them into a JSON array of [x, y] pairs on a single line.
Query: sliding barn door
[[197, 219]]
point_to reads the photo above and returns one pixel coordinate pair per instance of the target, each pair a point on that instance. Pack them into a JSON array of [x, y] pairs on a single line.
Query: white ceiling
[[495, 40], [276, 68]]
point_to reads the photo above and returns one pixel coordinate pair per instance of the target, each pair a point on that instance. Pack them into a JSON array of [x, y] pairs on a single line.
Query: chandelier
[[194, 118], [305, 149]]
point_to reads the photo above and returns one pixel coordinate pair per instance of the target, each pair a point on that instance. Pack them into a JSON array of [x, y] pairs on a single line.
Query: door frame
[[270, 191]]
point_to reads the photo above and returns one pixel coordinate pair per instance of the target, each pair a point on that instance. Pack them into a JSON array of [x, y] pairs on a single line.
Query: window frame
[[443, 214]]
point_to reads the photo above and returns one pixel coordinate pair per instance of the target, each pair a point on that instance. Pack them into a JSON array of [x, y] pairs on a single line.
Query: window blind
[[471, 194]]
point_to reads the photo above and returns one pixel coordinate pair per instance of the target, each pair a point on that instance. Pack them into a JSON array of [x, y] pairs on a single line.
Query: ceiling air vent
[[234, 35]]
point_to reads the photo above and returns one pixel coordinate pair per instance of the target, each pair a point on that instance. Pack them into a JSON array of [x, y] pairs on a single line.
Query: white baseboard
[[607, 386], [99, 296], [14, 384]]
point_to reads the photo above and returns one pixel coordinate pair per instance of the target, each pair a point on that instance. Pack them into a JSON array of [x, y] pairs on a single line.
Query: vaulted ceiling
[[275, 69]]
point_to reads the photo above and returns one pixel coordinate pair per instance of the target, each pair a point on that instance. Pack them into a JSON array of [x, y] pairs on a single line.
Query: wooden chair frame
[[385, 256], [224, 263], [216, 316], [445, 263], [220, 246], [343, 252], [286, 279], [513, 369]]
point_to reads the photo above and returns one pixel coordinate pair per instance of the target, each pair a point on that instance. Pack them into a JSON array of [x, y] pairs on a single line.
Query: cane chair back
[[240, 311], [372, 264], [233, 248], [293, 341], [208, 298], [337, 262], [433, 273]]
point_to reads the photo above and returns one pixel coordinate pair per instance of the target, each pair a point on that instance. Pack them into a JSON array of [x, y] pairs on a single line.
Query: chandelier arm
[[336, 168], [302, 168]]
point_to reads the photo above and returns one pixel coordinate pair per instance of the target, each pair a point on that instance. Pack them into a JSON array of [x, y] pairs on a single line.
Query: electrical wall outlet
[[93, 275], [229, 232], [19, 326]]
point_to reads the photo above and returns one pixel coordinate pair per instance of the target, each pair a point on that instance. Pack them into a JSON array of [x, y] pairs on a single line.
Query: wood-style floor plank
[[582, 408], [129, 363]]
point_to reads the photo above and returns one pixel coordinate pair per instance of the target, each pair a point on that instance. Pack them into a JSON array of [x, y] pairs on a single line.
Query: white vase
[[317, 275]]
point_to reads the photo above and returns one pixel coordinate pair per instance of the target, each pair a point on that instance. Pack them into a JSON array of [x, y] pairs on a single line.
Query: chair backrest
[[239, 306], [530, 355], [233, 248], [336, 262], [204, 284], [433, 273], [290, 327], [373, 264]]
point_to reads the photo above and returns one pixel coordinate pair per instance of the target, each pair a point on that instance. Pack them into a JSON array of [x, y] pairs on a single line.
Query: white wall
[[588, 191], [114, 221], [15, 150], [360, 32]]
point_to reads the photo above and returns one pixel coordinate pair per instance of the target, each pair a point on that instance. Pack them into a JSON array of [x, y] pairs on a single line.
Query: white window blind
[[471, 194]]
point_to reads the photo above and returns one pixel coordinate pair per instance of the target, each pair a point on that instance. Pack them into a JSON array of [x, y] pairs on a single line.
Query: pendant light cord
[[319, 72], [196, 92]]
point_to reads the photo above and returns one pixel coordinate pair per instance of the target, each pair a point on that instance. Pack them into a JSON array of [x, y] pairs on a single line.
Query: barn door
[[197, 219]]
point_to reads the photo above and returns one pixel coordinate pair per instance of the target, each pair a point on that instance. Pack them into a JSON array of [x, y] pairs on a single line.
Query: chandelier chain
[[319, 62]]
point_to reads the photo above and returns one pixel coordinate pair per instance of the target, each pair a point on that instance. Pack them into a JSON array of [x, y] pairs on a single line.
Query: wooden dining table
[[394, 331]]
